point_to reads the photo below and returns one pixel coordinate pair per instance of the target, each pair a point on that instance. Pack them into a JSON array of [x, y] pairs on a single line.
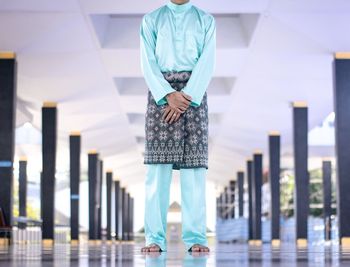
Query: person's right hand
[[170, 115], [179, 101]]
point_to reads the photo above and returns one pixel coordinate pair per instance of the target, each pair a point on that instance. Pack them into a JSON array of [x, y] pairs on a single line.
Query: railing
[[33, 235], [236, 230], [28, 235]]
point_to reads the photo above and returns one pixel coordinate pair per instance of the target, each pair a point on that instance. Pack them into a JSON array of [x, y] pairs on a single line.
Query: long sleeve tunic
[[177, 38]]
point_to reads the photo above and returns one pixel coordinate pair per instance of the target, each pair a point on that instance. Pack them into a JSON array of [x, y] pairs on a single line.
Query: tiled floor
[[129, 254]]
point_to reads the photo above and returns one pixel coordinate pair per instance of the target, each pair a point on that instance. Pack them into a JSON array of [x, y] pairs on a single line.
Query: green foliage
[[32, 212], [315, 193], [287, 194]]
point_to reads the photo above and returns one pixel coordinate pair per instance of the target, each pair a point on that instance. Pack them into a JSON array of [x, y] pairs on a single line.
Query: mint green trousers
[[193, 205]]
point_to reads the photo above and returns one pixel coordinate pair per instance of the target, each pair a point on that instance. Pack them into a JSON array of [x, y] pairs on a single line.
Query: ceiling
[[84, 55]]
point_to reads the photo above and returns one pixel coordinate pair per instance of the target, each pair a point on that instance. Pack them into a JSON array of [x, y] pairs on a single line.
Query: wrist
[[168, 95]]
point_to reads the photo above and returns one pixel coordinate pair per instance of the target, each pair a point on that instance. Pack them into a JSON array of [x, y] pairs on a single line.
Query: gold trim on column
[[23, 158], [91, 242], [255, 242], [4, 241], [92, 151], [342, 55], [302, 242], [109, 242], [345, 241], [274, 133], [275, 242], [74, 242], [258, 242], [75, 133], [47, 242], [48, 104], [7, 55], [257, 152], [95, 242], [109, 170], [299, 104]]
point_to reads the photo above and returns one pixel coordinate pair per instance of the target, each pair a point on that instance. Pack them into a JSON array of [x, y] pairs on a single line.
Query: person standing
[[177, 46]]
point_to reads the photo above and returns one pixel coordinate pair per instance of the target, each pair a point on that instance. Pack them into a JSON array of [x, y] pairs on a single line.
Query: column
[[342, 140], [117, 193], [301, 207], [123, 213], [217, 207], [22, 192], [74, 171], [240, 181], [224, 204], [274, 181], [128, 229], [227, 202], [109, 181], [257, 183], [93, 194], [131, 218], [99, 199], [7, 130], [49, 146], [220, 206], [327, 196], [231, 201], [250, 198]]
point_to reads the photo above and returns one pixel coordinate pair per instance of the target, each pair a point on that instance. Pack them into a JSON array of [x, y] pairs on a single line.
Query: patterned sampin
[[183, 143]]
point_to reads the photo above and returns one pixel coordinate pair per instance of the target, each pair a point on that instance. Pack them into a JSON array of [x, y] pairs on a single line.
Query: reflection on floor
[[128, 254]]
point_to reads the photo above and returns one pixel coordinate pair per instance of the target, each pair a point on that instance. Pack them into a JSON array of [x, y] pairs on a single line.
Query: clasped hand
[[178, 102]]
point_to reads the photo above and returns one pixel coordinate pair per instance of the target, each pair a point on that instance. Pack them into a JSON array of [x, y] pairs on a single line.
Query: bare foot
[[151, 248], [198, 248]]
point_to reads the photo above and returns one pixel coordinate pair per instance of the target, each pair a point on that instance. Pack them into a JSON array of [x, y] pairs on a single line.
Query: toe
[[204, 249], [155, 248], [199, 248], [195, 248]]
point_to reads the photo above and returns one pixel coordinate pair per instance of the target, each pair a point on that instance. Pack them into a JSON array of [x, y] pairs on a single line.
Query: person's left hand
[[170, 115]]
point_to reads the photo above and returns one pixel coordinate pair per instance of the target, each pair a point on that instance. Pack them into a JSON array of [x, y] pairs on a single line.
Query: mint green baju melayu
[[175, 40]]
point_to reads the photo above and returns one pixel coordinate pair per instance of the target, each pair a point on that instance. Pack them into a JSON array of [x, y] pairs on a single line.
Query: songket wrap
[[183, 143]]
